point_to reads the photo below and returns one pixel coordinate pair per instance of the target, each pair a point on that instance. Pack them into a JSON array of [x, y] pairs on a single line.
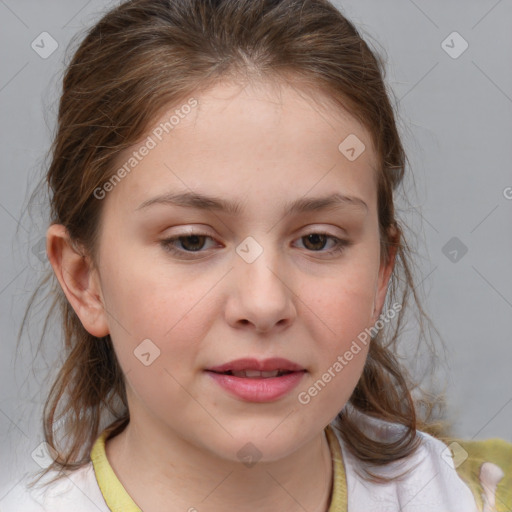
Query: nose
[[261, 295]]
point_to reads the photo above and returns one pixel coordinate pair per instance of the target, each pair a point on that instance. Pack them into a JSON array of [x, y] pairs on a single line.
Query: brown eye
[[192, 242], [315, 241], [184, 246]]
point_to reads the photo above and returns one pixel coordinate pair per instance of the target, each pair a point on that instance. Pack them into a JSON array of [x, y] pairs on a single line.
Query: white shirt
[[430, 484]]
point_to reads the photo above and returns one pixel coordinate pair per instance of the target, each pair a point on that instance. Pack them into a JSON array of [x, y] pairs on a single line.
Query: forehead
[[275, 113], [248, 137]]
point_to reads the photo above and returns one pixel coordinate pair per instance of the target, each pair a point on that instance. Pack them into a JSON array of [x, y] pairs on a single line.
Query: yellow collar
[[114, 494], [118, 500]]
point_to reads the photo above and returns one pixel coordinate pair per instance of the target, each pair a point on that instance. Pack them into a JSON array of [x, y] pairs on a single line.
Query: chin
[[261, 441]]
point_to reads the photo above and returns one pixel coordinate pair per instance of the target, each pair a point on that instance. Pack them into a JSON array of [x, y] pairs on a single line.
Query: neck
[[162, 471]]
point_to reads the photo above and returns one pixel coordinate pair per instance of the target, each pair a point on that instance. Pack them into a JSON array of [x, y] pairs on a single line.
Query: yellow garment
[[114, 494], [469, 463], [468, 459], [118, 500]]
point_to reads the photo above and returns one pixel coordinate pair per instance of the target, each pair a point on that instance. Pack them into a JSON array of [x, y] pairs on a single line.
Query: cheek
[[342, 304], [338, 316], [331, 389], [172, 312], [175, 321]]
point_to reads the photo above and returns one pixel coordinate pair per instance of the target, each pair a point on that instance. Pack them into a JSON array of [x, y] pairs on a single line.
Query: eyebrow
[[212, 203]]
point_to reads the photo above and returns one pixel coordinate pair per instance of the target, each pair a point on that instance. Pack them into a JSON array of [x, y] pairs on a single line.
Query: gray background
[[455, 116]]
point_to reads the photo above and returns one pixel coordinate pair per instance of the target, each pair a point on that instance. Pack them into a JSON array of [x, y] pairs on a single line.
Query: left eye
[[195, 242], [320, 239]]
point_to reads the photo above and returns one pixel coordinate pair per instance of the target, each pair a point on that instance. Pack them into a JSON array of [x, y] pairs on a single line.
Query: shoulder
[[486, 467], [440, 475], [77, 490], [425, 481]]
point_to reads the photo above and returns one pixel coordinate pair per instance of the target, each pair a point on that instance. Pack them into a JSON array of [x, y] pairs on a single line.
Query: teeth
[[255, 374]]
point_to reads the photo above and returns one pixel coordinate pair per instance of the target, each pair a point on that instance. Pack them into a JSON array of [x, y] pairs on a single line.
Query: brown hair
[[146, 54]]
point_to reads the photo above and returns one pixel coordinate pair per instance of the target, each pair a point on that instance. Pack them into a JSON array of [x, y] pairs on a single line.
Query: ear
[[385, 271], [78, 280]]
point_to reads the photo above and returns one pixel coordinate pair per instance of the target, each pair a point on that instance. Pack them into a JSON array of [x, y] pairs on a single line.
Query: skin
[[262, 145]]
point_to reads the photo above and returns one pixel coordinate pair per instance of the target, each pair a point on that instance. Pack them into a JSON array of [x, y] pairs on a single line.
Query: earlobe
[[78, 280]]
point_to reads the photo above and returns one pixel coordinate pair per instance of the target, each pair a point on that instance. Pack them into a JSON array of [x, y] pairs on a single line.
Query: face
[[192, 286]]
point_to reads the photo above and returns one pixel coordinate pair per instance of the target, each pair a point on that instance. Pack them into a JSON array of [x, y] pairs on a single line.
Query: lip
[[258, 389], [264, 365]]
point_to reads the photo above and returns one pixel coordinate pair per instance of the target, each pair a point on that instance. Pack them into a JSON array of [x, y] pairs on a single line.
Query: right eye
[[186, 244]]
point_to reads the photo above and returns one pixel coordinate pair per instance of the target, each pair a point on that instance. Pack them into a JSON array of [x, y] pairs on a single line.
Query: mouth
[[253, 368], [255, 374], [254, 380]]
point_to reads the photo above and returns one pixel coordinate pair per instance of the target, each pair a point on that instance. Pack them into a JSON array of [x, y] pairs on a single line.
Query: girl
[[228, 265]]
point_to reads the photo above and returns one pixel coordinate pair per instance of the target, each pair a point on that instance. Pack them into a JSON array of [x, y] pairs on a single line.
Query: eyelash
[[167, 244]]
